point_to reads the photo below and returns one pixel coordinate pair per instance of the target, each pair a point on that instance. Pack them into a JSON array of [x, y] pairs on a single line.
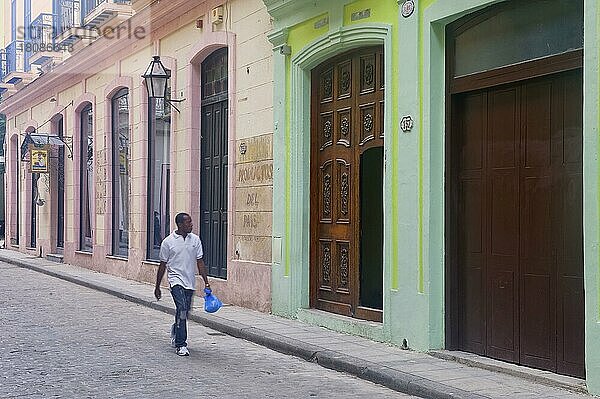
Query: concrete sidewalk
[[406, 371]]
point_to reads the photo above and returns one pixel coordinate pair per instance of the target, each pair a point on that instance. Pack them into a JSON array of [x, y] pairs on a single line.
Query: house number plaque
[[408, 7], [406, 124]]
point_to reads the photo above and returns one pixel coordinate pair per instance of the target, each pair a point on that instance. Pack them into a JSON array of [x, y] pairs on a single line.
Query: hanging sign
[[408, 7], [38, 159]]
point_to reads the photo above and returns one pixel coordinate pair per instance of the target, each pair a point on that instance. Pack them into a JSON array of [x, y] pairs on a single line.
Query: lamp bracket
[[39, 140], [170, 102]]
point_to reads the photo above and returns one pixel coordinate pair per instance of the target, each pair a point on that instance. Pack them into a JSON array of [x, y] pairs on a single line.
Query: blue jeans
[[183, 304]]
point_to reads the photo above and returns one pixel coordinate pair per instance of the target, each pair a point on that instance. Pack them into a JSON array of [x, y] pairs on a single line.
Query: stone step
[[55, 257]]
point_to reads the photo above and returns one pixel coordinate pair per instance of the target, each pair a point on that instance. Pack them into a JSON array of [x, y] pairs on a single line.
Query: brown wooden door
[[517, 178], [347, 121]]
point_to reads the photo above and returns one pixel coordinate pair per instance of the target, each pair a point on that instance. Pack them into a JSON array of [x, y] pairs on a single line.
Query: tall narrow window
[[120, 127], [60, 206], [159, 136], [14, 220], [86, 179], [33, 220]]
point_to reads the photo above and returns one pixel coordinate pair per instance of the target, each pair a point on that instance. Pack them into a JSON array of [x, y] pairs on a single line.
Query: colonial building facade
[[97, 170], [423, 173]]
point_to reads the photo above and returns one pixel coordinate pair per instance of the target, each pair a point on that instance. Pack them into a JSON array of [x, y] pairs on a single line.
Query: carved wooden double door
[[347, 184]]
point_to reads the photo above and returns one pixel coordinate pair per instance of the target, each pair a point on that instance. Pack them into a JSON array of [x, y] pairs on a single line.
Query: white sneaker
[[182, 351]]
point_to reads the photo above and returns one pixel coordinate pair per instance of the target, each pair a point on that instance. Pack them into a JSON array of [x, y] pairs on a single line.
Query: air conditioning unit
[[216, 15]]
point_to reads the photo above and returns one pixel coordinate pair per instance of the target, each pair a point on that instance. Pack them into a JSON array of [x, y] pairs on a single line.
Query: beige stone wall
[[254, 199]]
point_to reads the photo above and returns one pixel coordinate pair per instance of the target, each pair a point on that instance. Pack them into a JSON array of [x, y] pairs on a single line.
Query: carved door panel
[[347, 119]]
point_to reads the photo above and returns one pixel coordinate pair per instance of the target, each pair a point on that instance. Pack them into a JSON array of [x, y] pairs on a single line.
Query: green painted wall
[[591, 184], [414, 179]]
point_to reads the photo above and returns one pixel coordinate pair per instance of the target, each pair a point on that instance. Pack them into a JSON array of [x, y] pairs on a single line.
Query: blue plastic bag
[[211, 302]]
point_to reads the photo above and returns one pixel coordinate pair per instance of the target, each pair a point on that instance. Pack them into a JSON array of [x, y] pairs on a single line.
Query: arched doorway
[[346, 245], [515, 202], [214, 159]]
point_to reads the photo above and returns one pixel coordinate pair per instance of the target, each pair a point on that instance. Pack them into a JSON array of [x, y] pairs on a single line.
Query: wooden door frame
[[312, 251], [505, 75]]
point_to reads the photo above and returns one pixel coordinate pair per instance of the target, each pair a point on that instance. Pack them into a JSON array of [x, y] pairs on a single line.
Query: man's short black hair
[[180, 217]]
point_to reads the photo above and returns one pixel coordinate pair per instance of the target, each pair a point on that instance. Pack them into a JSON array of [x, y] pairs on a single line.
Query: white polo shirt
[[181, 257]]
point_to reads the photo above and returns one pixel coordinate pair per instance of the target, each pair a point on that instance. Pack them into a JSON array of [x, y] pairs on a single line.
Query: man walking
[[180, 254]]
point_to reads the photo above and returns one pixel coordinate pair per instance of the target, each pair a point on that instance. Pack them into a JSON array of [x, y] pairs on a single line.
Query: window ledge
[[88, 253], [116, 257], [151, 262]]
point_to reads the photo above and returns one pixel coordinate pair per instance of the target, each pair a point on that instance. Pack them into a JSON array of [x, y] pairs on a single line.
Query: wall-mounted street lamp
[[157, 79]]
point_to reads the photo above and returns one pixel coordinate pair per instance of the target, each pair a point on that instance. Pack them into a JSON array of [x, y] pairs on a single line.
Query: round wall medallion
[[407, 123], [408, 7]]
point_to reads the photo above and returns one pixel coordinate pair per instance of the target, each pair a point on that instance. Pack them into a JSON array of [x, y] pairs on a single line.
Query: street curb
[[396, 380], [538, 379]]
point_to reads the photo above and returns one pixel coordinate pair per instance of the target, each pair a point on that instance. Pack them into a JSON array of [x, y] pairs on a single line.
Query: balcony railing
[[3, 65], [42, 45], [42, 32], [15, 57], [89, 5], [68, 15]]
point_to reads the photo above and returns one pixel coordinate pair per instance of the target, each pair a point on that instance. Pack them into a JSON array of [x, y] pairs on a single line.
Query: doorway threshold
[[367, 329], [539, 376]]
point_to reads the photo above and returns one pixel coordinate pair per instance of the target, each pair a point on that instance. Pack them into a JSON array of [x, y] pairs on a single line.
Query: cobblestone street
[[61, 340]]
